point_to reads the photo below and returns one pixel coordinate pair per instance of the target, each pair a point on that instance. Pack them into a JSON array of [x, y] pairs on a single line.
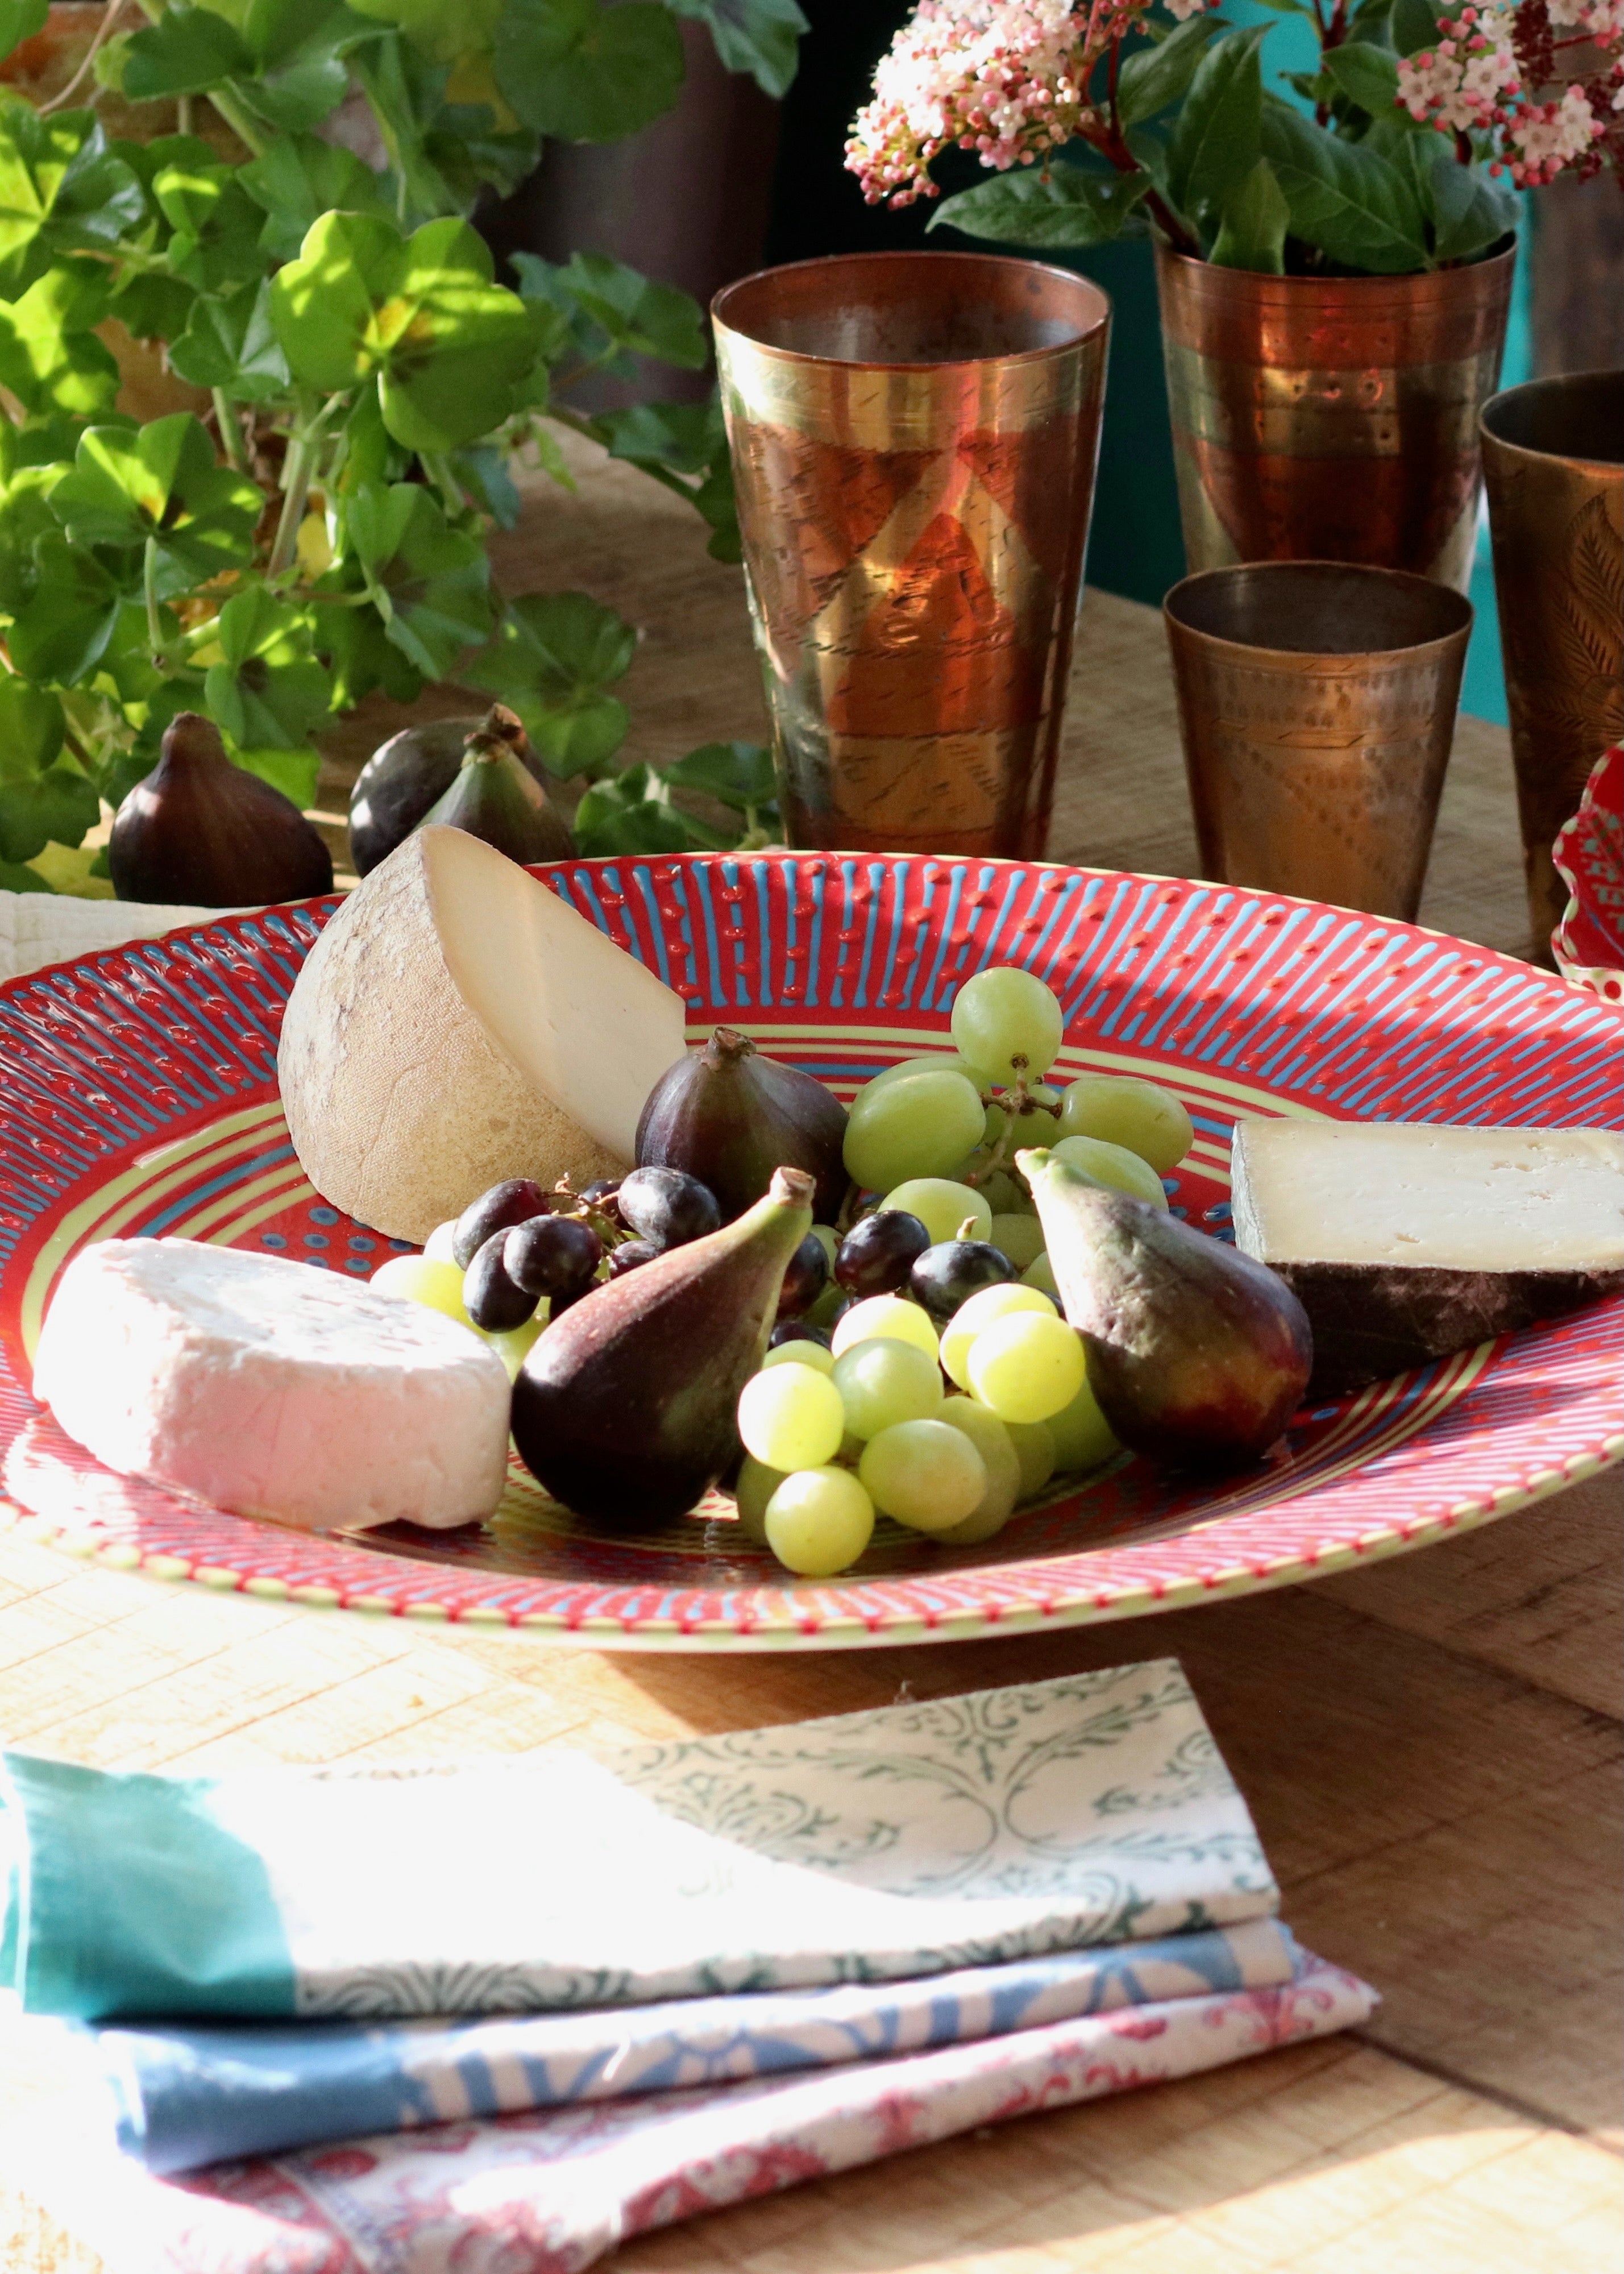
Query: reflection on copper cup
[[914, 437], [1554, 456], [1316, 704]]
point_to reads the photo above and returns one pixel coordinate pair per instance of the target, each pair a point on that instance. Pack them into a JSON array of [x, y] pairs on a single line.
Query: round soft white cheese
[[272, 1389]]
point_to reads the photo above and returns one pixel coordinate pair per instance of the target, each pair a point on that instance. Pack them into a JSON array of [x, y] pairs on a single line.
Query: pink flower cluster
[[1003, 77], [1498, 71]]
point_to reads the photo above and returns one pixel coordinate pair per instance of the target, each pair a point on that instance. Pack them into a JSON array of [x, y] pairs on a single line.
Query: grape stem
[[1015, 1101]]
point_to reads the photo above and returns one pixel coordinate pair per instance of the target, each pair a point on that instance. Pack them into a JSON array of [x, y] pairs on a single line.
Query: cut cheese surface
[[457, 1024], [272, 1389], [1412, 1194]]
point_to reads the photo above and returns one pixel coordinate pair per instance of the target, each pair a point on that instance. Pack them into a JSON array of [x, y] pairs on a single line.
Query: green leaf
[[1414, 26], [60, 192], [360, 655], [445, 35], [1470, 211], [1366, 74], [57, 806], [762, 37], [32, 731], [1251, 232], [553, 659], [631, 813], [1345, 198], [1062, 207], [61, 633], [717, 505], [50, 358], [684, 436], [586, 73], [186, 51], [1155, 76], [230, 343], [14, 878], [294, 772], [447, 345], [19, 20], [299, 75], [269, 690], [622, 309], [216, 225], [739, 774], [429, 582], [25, 517], [160, 483], [1216, 138], [152, 306], [297, 179]]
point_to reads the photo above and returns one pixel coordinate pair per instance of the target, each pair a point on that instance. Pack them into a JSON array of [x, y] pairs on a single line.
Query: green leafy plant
[[320, 533]]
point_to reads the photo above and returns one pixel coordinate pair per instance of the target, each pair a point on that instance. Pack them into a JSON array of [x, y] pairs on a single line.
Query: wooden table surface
[[1430, 1746]]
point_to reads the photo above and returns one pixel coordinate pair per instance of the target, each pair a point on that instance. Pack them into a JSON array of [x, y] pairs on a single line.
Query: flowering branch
[[1496, 72]]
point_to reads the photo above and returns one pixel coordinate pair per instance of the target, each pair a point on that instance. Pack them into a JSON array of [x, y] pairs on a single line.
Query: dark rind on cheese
[[1371, 1320]]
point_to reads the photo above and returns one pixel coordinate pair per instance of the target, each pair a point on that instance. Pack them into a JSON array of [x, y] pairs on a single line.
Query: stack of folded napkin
[[718, 1967]]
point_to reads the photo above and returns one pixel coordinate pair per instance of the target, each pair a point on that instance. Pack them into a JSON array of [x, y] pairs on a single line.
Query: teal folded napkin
[[878, 1846]]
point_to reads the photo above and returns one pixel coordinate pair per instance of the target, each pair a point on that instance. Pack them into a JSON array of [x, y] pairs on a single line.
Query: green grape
[[801, 1352], [1142, 1116], [1008, 1022], [883, 1383], [999, 1458], [1082, 1433], [920, 1126], [754, 1487], [1005, 1194], [828, 1307], [791, 1417], [514, 1345], [422, 1279], [819, 1521], [1112, 1166], [1034, 1450], [940, 1206], [828, 1239], [882, 1317], [931, 1062], [974, 1316], [924, 1473], [1025, 1366], [1020, 1237], [1041, 1273], [436, 1246]]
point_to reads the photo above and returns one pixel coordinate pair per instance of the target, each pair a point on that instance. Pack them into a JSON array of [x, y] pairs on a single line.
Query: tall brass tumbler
[[914, 437], [1554, 456], [1316, 704]]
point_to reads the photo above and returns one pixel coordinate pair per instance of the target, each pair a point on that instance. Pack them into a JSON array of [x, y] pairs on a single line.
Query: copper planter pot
[[1316, 704], [1331, 419], [914, 438], [1554, 456]]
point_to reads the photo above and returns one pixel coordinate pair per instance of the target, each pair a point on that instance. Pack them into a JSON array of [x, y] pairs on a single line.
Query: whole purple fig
[[202, 831], [730, 1117]]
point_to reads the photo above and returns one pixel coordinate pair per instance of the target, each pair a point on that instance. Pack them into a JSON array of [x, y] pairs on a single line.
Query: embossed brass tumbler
[[1316, 704], [1330, 418], [1554, 456], [914, 437]]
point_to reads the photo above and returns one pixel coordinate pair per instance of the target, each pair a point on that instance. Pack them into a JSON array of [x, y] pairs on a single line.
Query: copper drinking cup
[[1553, 456], [914, 437], [1316, 704]]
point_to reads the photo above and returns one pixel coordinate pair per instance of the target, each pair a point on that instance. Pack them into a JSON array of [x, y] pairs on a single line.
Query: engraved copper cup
[[1554, 456], [1317, 703], [914, 437], [1330, 418]]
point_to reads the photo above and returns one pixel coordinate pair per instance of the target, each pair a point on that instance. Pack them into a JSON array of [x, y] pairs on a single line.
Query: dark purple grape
[[953, 1271], [510, 1203], [805, 1277], [667, 1207], [629, 1255], [796, 1330], [553, 1255], [489, 1295], [877, 1254]]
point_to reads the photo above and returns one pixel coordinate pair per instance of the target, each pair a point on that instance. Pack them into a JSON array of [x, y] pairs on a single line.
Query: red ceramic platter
[[141, 1100], [1589, 853]]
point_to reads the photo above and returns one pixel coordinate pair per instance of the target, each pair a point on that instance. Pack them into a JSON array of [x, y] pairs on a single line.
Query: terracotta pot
[[1553, 453], [1333, 419]]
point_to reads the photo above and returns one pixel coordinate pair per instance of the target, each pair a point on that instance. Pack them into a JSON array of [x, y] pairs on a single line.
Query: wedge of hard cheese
[[1406, 1240], [272, 1389], [457, 1024]]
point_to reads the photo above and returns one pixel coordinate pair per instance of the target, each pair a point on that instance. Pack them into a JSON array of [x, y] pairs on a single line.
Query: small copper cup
[[1317, 703], [1553, 454], [914, 437]]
